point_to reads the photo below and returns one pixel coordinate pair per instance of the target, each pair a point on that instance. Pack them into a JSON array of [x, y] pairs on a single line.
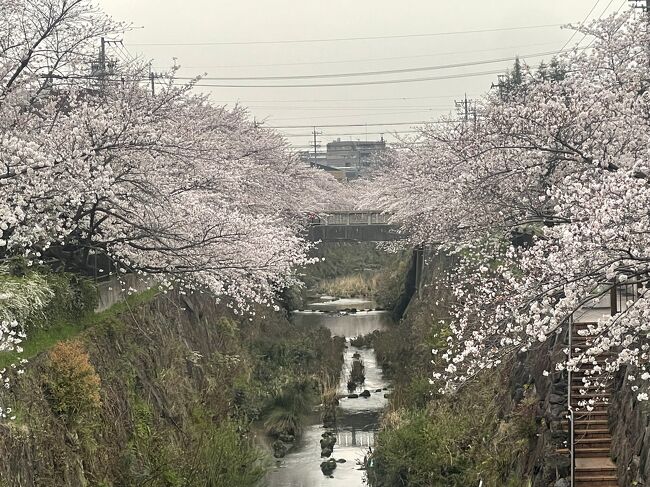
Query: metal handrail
[[570, 407]]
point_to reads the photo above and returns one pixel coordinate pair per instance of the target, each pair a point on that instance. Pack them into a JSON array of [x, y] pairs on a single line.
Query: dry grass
[[352, 286]]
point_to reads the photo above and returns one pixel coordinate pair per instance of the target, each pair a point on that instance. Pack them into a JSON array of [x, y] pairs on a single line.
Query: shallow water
[[357, 418]]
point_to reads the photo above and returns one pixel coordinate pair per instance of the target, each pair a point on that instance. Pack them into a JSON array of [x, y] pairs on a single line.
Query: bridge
[[352, 226]]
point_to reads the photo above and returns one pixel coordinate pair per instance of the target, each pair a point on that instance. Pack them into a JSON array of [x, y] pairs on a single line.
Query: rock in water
[[279, 449], [327, 443], [365, 393], [328, 466]]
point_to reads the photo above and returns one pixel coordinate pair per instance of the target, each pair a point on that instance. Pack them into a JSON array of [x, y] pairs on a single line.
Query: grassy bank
[[161, 390]]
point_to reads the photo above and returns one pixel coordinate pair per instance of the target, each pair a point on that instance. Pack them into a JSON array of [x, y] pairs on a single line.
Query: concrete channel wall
[[117, 289]]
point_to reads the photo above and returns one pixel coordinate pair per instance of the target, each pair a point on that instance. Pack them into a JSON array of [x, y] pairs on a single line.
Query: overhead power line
[[350, 134], [347, 115], [338, 39], [386, 124], [341, 99], [356, 83], [599, 17], [581, 24], [374, 73], [357, 61], [347, 107]]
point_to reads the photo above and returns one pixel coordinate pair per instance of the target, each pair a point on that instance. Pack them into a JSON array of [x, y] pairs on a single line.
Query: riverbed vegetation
[[431, 439], [454, 443], [354, 270]]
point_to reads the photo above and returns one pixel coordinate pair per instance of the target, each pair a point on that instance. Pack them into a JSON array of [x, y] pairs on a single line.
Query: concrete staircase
[[592, 439]]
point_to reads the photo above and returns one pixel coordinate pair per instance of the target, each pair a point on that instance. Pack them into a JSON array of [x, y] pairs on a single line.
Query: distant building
[[346, 157], [353, 154], [308, 157]]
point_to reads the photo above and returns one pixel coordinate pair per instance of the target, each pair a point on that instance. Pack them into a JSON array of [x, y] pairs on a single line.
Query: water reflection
[[357, 418]]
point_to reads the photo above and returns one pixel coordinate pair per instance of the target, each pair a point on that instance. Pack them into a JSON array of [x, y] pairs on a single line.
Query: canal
[[357, 418]]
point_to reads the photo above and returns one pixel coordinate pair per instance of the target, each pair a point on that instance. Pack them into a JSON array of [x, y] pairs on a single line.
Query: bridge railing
[[351, 218]]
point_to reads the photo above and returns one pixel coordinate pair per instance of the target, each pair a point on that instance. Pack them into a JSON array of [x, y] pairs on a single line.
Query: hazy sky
[[232, 39]]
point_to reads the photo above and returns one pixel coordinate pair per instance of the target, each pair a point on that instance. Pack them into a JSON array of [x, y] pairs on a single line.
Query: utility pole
[[152, 78], [501, 84], [102, 67], [465, 109], [462, 108], [642, 4], [645, 7], [102, 55], [315, 134], [102, 64]]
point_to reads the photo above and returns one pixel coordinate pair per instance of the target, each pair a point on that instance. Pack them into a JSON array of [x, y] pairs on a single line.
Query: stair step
[[586, 422], [603, 398], [593, 433], [604, 382], [607, 481], [587, 453], [582, 326], [599, 408], [593, 443], [596, 451], [582, 368], [583, 428], [589, 390], [597, 405], [596, 470], [583, 422]]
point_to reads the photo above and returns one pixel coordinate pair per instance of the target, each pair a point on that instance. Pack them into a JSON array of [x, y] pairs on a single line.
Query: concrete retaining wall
[[116, 290]]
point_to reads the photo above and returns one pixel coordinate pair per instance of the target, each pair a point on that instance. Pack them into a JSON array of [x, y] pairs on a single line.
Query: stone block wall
[[630, 420]]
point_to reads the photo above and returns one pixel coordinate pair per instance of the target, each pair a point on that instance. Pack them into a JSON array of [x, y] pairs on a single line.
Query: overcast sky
[[234, 39]]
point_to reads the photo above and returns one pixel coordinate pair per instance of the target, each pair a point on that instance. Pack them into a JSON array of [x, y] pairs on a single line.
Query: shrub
[[455, 441], [390, 283], [71, 381], [225, 458], [288, 409]]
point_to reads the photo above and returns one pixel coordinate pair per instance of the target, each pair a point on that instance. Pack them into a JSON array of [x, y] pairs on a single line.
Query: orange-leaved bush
[[71, 380]]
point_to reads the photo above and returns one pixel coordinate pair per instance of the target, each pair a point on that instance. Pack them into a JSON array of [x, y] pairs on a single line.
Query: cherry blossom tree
[[562, 159], [92, 163]]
